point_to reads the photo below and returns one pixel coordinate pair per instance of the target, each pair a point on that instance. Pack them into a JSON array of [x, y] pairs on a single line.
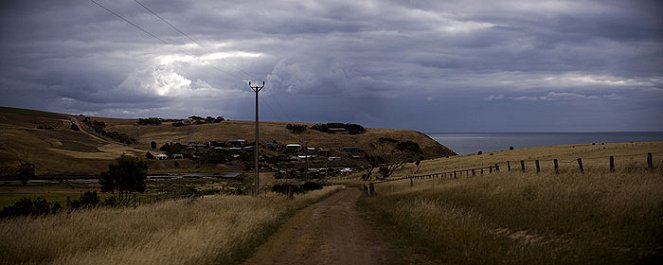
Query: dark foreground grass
[[597, 218], [209, 230]]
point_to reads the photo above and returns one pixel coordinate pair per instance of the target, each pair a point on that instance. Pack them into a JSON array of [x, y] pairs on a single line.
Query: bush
[[27, 206], [309, 185], [408, 146], [351, 127], [283, 188], [296, 128], [149, 155], [126, 175], [89, 199], [26, 170], [149, 121]]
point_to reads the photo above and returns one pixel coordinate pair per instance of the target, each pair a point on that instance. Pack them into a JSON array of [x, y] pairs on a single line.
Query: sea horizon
[[473, 142]]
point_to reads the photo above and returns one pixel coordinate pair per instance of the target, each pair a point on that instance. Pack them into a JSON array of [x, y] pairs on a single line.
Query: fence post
[[497, 167], [411, 182], [538, 167], [582, 171], [650, 162], [371, 189], [473, 173], [522, 165], [481, 171], [508, 166], [455, 174], [556, 166], [612, 164], [490, 169]]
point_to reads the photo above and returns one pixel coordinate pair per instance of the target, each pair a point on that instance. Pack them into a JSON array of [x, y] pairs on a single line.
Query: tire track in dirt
[[328, 232]]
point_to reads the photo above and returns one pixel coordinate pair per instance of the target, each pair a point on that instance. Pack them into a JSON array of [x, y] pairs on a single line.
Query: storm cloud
[[427, 65]]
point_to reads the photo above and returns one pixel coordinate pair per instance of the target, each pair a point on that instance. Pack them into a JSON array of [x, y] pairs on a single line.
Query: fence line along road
[[521, 165]]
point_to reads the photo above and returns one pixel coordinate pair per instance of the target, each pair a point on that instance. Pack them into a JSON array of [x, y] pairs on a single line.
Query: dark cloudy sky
[[436, 66]]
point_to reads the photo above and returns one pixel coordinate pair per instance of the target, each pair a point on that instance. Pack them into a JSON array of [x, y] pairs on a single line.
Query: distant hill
[[61, 144]]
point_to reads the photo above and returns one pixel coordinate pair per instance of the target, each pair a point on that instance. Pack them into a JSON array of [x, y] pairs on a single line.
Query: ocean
[[469, 143]]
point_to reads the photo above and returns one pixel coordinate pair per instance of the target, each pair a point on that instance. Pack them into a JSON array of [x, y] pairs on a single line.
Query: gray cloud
[[381, 63]]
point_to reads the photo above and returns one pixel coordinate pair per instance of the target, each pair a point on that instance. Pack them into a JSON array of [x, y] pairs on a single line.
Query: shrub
[[351, 127], [296, 128], [126, 175], [27, 206], [149, 121], [408, 146], [309, 185], [89, 199]]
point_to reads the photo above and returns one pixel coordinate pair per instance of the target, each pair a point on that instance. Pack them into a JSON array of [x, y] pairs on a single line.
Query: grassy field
[[46, 140], [209, 230], [599, 217]]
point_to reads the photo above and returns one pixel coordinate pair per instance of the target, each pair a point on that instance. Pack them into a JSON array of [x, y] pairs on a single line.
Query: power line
[[130, 23], [156, 37], [166, 21], [249, 75]]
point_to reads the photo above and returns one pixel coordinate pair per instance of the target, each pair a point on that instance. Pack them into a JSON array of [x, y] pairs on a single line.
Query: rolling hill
[[53, 144]]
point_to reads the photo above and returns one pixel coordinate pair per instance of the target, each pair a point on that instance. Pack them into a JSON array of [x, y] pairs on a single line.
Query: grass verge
[[517, 218], [211, 230]]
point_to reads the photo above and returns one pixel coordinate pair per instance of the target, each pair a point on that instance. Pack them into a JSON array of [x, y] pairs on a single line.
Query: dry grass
[[61, 151], [594, 156], [523, 218], [213, 230]]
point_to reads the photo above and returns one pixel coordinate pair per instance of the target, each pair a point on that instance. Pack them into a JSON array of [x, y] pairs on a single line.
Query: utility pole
[[257, 89], [306, 158]]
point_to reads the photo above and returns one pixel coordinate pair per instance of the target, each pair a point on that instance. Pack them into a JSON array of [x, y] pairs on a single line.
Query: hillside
[[48, 141]]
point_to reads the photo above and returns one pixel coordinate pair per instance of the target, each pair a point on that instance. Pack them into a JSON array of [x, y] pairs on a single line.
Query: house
[[161, 156], [293, 147], [177, 156], [236, 142], [312, 150]]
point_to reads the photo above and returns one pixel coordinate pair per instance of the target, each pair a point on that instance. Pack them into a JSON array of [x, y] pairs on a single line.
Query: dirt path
[[328, 232]]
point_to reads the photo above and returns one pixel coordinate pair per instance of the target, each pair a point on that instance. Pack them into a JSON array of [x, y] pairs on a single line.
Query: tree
[[26, 170], [417, 165], [386, 158], [127, 175]]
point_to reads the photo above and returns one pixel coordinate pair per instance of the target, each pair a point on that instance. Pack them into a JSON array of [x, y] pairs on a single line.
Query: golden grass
[[212, 230], [594, 156], [516, 218], [62, 151], [523, 218]]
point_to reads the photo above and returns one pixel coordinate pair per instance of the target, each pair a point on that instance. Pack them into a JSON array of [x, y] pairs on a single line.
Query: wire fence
[[533, 165]]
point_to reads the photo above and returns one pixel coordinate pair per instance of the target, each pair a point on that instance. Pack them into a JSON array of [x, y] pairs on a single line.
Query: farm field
[[515, 217]]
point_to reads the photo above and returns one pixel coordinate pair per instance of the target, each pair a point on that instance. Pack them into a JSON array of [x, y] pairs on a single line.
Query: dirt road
[[328, 232]]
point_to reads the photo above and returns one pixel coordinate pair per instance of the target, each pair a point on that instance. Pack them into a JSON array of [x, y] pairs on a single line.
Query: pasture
[[515, 217]]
